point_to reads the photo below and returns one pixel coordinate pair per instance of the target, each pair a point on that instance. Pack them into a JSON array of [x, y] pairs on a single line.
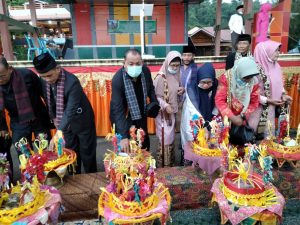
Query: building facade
[[103, 30]]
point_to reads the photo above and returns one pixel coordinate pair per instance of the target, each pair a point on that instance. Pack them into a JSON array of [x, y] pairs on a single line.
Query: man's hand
[[180, 91], [125, 145], [54, 139], [207, 134], [169, 109], [4, 133], [275, 102], [237, 120]]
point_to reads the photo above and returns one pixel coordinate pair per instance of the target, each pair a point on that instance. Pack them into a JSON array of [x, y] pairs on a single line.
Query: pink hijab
[[164, 68], [173, 81], [265, 8], [262, 54], [263, 21]]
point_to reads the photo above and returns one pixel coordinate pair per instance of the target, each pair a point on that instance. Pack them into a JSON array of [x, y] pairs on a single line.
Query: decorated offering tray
[[4, 172], [135, 212], [282, 154], [20, 201], [123, 162], [282, 147], [53, 159], [206, 143], [245, 192], [243, 186], [133, 195], [256, 195]]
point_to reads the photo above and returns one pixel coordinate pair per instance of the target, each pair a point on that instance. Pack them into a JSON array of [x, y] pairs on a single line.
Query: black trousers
[[234, 37], [21, 130], [84, 143], [5, 144]]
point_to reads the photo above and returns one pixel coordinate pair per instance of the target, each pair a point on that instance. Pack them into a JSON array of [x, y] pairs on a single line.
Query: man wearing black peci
[[70, 110]]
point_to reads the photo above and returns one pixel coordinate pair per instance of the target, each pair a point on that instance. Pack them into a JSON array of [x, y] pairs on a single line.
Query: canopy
[[14, 25]]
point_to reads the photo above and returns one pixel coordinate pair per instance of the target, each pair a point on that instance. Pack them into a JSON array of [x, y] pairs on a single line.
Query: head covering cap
[[239, 7], [244, 37], [188, 49], [44, 63]]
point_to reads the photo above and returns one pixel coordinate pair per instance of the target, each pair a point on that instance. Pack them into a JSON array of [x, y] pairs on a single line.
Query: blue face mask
[[171, 71], [134, 71]]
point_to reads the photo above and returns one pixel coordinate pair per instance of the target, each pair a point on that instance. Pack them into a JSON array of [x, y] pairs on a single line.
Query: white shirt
[[236, 24]]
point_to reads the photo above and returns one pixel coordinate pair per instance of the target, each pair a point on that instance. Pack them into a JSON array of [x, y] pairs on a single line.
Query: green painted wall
[[106, 52]]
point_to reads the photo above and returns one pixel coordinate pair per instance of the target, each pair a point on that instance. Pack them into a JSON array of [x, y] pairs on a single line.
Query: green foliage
[[294, 33], [15, 2], [204, 14], [20, 52]]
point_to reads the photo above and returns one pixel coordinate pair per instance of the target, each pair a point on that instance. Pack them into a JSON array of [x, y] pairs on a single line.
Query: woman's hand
[[286, 98], [237, 120], [169, 109], [275, 102], [180, 91]]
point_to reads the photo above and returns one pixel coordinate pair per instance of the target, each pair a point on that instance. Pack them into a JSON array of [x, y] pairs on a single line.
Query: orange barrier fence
[[96, 82]]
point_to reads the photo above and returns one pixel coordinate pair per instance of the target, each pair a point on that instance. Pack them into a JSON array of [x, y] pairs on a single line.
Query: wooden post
[[248, 8], [34, 21], [5, 34], [59, 27], [218, 27], [33, 12]]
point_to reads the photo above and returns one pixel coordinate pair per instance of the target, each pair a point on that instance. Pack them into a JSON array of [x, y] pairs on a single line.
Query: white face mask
[[171, 71]]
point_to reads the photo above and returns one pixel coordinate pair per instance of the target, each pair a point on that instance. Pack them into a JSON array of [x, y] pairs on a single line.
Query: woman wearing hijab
[[272, 91], [167, 89], [200, 101], [263, 22], [237, 94]]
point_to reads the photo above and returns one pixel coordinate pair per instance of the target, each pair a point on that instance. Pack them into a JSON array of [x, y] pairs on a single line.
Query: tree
[[294, 32], [15, 2], [204, 15]]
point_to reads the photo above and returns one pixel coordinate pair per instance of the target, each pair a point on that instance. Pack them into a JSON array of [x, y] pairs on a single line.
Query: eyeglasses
[[174, 65]]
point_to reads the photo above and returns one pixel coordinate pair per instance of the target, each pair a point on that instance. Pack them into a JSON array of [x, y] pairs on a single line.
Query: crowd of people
[[250, 90]]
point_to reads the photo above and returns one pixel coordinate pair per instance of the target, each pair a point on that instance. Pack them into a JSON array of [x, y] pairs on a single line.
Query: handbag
[[153, 109], [241, 135]]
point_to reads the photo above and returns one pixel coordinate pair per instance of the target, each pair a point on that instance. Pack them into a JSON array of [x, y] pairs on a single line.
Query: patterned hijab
[[262, 54], [240, 89]]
